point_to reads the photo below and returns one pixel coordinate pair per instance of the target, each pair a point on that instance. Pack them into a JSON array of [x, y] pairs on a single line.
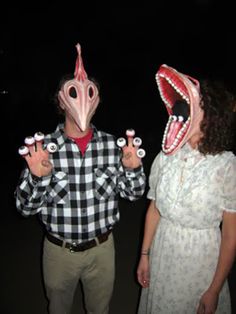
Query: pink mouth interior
[[171, 89], [172, 133]]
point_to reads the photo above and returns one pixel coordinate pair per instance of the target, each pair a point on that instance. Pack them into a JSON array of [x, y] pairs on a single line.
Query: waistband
[[74, 247]]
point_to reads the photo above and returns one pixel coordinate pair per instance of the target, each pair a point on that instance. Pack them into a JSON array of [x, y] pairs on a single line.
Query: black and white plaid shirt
[[79, 200]]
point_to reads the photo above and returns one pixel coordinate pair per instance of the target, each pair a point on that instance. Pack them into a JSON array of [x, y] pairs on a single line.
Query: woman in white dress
[[189, 240]]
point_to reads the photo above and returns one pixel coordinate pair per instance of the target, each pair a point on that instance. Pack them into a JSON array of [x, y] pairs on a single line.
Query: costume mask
[[79, 97], [181, 96]]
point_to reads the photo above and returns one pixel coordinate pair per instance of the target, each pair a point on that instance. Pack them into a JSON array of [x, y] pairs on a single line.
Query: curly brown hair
[[219, 122]]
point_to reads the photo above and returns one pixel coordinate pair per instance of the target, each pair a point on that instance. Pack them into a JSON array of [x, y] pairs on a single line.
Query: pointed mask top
[[79, 73]]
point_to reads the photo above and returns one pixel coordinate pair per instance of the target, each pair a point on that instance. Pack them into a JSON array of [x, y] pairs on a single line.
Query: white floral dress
[[191, 192]]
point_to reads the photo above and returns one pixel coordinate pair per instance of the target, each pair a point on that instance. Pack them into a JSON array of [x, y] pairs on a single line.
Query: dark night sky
[[123, 45]]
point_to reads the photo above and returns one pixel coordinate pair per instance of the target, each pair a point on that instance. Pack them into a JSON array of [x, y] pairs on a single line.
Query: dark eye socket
[[91, 92], [72, 92], [194, 82]]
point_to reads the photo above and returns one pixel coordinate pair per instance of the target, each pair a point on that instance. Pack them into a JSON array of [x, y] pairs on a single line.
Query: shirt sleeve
[[34, 193], [132, 183], [229, 187], [154, 176]]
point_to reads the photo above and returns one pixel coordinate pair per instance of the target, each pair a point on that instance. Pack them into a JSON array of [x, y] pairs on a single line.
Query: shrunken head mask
[[79, 97], [181, 96]]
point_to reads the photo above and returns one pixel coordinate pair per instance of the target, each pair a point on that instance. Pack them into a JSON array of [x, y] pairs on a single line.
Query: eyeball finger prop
[[137, 141], [29, 141], [121, 142], [23, 151], [52, 147], [141, 153], [130, 132], [39, 136]]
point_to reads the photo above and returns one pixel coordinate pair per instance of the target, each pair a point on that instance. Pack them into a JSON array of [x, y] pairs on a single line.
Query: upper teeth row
[[177, 89]]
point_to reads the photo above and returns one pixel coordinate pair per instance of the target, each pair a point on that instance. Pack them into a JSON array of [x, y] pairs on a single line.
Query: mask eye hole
[[195, 82], [91, 92], [192, 81], [72, 92]]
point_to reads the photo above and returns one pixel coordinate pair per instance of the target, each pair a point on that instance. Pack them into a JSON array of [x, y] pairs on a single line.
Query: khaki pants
[[94, 267]]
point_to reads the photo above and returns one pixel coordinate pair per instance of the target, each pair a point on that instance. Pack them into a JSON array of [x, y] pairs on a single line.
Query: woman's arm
[[151, 222], [226, 259]]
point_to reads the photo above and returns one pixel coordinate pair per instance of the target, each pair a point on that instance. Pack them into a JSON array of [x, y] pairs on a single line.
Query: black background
[[123, 45]]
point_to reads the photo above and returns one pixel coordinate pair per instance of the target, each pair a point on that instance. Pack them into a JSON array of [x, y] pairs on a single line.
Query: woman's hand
[[143, 273], [208, 303]]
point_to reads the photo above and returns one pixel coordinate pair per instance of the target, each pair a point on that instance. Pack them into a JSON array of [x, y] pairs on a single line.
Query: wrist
[[214, 290], [145, 252], [35, 179]]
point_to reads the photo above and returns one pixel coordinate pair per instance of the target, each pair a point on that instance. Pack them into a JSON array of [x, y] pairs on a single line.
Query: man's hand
[[132, 154], [36, 156]]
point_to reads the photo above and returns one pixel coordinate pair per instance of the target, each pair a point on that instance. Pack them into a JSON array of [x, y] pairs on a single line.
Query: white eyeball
[[137, 141], [39, 136], [130, 132], [52, 147], [29, 140], [121, 142], [141, 153], [23, 150]]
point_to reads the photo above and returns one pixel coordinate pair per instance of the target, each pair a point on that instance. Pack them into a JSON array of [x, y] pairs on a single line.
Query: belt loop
[[63, 244], [97, 241]]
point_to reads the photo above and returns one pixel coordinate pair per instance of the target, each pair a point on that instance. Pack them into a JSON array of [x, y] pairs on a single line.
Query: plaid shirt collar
[[61, 138]]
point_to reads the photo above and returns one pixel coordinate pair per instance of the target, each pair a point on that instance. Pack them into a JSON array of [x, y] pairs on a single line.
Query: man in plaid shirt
[[73, 182]]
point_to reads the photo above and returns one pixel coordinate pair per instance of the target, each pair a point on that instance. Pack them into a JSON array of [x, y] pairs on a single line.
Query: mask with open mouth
[[181, 96], [79, 97]]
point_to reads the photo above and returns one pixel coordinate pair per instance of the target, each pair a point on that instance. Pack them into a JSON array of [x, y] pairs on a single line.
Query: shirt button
[[83, 211]]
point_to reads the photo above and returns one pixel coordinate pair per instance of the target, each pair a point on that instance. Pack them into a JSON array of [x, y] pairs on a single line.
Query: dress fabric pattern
[[191, 192]]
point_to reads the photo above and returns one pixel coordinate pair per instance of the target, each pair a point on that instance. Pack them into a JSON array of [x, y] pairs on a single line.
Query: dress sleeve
[[229, 187], [155, 167]]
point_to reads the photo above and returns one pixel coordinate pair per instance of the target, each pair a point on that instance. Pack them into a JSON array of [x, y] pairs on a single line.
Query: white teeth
[[186, 99], [177, 89], [178, 138], [180, 118]]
